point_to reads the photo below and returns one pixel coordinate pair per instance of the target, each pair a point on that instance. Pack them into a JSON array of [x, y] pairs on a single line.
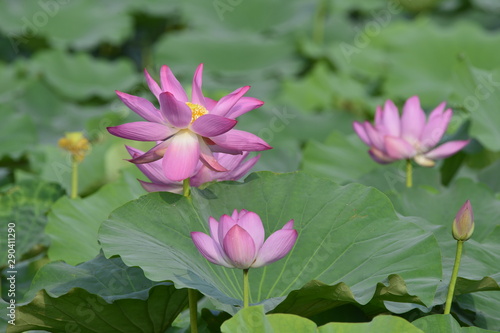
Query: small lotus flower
[[409, 137], [235, 164], [188, 131], [76, 144], [463, 225], [237, 241]]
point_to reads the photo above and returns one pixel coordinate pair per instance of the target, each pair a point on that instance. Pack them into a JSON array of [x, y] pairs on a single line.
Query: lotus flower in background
[[410, 136], [237, 241], [236, 165], [188, 131], [463, 225]]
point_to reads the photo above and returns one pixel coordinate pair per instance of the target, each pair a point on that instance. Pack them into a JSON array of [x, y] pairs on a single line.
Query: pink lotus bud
[[463, 225], [237, 241]]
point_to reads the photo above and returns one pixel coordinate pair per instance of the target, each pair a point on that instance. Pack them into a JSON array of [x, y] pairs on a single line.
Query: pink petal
[[276, 247], [141, 106], [152, 155], [211, 125], [239, 247], [378, 118], [288, 225], [153, 170], [244, 105], [170, 83], [141, 131], [209, 249], [438, 111], [252, 223], [379, 156], [176, 112], [239, 170], [210, 103], [446, 149], [360, 131], [197, 95], [225, 224], [182, 156], [227, 102], [390, 119], [434, 130], [214, 229], [398, 148], [240, 140], [208, 159], [155, 187], [153, 86], [236, 215], [375, 137], [412, 120]]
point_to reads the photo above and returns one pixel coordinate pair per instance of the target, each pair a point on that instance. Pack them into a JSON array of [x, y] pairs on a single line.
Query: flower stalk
[[192, 297], [454, 275], [77, 145], [246, 288], [409, 174]]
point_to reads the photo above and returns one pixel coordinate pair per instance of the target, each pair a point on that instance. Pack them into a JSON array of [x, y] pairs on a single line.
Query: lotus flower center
[[197, 111]]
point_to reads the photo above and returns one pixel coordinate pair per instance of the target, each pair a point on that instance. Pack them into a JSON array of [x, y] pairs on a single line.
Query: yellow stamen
[[197, 111], [76, 144]]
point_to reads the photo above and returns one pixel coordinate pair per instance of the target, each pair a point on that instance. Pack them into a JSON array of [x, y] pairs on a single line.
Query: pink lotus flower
[[235, 164], [409, 137], [237, 241], [188, 130]]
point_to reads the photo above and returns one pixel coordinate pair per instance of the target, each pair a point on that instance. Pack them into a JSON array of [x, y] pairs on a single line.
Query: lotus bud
[[76, 144], [463, 225]]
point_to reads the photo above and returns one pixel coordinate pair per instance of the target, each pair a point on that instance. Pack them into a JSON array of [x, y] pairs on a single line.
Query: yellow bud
[[76, 144]]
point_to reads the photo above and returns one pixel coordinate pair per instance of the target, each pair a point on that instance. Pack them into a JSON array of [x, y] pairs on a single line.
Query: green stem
[[320, 21], [246, 288], [454, 275], [74, 178], [186, 188], [193, 311], [409, 175], [192, 295]]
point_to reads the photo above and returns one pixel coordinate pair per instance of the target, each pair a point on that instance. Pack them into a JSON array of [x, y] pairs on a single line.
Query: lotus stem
[[192, 296], [246, 288], [409, 175], [74, 178], [320, 21], [454, 275]]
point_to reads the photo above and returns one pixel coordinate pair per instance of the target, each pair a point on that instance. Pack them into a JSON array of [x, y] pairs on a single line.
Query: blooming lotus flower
[[237, 241], [463, 225], [188, 131], [409, 137], [235, 164]]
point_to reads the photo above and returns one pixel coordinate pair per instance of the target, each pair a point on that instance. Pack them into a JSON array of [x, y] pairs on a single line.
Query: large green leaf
[[477, 92], [341, 158], [66, 24], [418, 58], [73, 223], [253, 319], [346, 234], [79, 76], [17, 133], [96, 296], [434, 208], [24, 207], [444, 324], [480, 309]]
